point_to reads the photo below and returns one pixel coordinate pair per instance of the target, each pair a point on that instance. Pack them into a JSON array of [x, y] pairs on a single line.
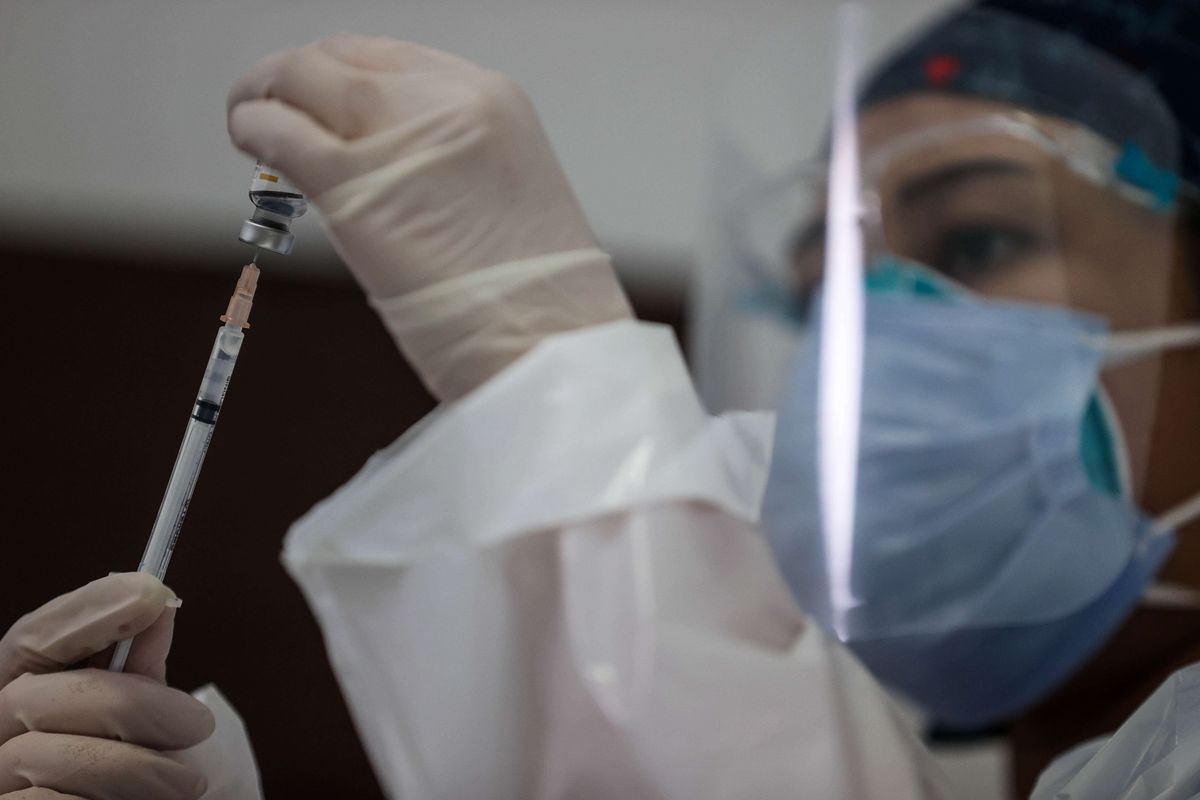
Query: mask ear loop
[[1177, 517], [1166, 524], [1170, 595], [1123, 347]]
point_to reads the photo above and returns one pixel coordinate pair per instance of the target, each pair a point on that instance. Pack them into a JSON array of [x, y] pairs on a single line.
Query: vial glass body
[[272, 192], [276, 204]]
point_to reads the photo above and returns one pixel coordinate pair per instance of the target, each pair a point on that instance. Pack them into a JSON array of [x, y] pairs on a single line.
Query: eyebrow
[[942, 180]]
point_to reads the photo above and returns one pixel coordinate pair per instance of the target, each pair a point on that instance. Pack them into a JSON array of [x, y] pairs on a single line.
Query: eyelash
[[942, 255]]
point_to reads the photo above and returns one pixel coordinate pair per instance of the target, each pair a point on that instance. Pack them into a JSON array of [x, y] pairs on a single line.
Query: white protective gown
[[555, 588]]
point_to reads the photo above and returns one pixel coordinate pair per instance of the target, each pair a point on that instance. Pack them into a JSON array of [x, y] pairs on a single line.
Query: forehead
[[962, 131]]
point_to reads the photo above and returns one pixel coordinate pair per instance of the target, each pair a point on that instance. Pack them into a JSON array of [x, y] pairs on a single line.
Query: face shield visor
[[966, 442]]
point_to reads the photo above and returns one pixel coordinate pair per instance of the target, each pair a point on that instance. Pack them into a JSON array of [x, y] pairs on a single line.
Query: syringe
[[196, 438]]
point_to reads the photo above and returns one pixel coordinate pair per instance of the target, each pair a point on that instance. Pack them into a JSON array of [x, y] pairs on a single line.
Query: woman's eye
[[969, 252]]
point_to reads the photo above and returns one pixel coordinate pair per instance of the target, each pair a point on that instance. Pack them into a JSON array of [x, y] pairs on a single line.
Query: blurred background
[[120, 201]]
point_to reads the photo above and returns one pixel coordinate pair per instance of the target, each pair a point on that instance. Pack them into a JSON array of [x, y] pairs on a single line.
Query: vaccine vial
[[276, 204]]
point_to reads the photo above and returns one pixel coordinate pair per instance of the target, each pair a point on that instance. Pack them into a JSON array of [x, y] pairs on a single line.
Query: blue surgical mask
[[995, 546]]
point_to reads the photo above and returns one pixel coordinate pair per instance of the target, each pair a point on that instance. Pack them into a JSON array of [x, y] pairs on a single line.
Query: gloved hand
[[440, 191], [89, 733]]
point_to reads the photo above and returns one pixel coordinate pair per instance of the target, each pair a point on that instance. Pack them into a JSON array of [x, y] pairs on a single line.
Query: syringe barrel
[[196, 438], [220, 368], [176, 498]]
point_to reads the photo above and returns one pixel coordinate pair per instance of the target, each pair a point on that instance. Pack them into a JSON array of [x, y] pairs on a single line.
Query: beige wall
[[112, 120]]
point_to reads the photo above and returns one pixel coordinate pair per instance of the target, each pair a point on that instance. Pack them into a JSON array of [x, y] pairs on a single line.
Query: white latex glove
[[440, 191], [90, 733]]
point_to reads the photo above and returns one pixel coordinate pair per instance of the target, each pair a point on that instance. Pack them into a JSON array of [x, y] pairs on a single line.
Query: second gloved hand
[[440, 191], [90, 733]]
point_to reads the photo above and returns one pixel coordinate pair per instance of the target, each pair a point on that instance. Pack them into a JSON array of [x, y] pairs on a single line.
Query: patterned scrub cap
[[1126, 69]]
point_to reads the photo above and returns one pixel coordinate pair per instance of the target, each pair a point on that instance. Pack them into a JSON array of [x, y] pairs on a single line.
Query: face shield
[[967, 436]]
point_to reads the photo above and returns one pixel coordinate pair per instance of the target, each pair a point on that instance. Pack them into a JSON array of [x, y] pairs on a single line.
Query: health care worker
[[556, 586], [1031, 361]]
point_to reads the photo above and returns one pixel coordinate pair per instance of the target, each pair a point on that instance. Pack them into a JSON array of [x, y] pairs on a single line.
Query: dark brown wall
[[103, 362]]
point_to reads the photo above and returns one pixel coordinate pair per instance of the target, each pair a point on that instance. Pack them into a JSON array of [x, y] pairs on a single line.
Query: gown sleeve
[[556, 588]]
